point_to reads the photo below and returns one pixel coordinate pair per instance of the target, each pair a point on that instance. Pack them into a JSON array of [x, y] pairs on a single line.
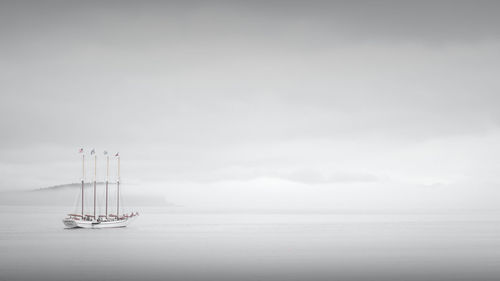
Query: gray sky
[[271, 104]]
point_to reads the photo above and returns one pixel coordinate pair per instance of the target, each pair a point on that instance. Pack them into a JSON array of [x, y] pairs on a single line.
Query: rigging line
[[76, 201]]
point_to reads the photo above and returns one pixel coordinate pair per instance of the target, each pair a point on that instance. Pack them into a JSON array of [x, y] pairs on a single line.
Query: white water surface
[[187, 244]]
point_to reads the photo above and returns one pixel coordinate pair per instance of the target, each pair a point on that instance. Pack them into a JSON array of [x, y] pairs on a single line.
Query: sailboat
[[107, 220]]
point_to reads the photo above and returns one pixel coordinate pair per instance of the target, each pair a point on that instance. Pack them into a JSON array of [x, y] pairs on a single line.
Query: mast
[[107, 180], [83, 178], [95, 180], [118, 190]]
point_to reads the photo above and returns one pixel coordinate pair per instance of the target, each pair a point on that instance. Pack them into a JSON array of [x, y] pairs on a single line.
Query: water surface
[[186, 244]]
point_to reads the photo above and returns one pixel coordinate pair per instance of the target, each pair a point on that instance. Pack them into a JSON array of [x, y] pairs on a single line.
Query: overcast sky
[[296, 104]]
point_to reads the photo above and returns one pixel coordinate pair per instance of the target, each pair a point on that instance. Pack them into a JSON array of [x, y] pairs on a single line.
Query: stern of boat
[[69, 223]]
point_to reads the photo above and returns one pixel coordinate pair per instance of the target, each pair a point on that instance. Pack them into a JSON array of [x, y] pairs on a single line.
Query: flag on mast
[[81, 150], [92, 152], [117, 154], [105, 152]]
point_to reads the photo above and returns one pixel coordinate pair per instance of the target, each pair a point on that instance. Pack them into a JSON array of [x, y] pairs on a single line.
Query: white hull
[[70, 223]]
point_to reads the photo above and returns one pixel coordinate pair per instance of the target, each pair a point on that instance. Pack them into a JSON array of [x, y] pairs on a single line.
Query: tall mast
[[107, 180], [83, 177], [95, 180], [118, 190]]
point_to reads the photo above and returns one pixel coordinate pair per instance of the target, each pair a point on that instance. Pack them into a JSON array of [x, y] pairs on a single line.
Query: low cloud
[[314, 177]]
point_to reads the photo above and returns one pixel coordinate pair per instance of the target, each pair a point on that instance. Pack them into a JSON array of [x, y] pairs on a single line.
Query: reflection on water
[[182, 244]]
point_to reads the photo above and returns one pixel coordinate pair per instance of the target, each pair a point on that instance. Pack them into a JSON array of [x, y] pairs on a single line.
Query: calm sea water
[[184, 244]]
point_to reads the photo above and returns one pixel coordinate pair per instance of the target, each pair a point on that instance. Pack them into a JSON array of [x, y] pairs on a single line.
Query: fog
[[258, 140], [277, 104]]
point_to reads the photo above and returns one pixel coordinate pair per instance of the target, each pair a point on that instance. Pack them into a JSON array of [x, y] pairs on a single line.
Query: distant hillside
[[71, 186], [65, 194]]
